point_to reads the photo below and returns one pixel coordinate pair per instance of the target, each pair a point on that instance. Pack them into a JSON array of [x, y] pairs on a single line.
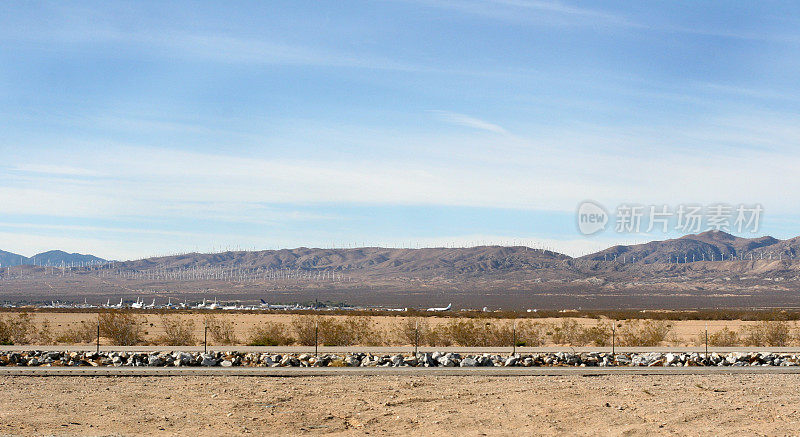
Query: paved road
[[372, 371], [392, 349]]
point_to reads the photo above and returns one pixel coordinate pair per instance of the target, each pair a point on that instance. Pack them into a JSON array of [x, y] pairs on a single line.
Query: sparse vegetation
[[767, 333], [20, 329], [270, 334], [463, 332], [220, 330], [411, 329], [177, 329], [643, 332], [177, 332], [329, 331], [85, 332], [530, 334], [122, 328], [598, 335], [568, 332], [725, 337]]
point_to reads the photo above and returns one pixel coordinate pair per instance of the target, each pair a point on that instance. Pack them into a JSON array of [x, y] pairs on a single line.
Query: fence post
[[514, 337], [205, 338], [416, 337], [97, 349], [316, 338], [706, 341], [613, 337]]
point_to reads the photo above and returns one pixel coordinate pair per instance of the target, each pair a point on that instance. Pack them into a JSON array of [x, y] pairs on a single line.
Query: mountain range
[[54, 258], [706, 246], [685, 272]]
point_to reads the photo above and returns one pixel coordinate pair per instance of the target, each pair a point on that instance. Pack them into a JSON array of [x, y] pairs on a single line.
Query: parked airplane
[[447, 308], [139, 304], [212, 306]]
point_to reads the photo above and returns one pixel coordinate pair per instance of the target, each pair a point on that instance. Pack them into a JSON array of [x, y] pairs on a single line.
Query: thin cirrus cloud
[[467, 121]]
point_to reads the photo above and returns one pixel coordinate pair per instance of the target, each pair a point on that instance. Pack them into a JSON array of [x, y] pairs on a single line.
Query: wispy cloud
[[547, 13], [554, 13], [467, 121], [55, 169], [217, 47]]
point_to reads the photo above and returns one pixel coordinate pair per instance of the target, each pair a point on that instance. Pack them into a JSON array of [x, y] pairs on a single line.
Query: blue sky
[[143, 128]]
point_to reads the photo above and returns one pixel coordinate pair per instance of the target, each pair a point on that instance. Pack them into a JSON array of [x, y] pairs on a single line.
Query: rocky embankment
[[435, 359]]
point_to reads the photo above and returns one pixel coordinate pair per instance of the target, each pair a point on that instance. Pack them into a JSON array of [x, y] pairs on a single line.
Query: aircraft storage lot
[[402, 404]]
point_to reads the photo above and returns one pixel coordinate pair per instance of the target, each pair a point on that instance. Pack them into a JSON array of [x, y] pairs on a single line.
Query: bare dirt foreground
[[400, 405]]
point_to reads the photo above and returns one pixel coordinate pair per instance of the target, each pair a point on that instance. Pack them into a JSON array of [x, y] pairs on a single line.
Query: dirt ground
[[400, 405]]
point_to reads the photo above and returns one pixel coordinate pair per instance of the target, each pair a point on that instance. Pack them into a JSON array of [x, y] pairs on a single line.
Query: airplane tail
[[262, 301]]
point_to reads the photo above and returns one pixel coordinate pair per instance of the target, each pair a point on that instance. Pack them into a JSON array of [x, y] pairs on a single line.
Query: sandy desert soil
[[401, 405]]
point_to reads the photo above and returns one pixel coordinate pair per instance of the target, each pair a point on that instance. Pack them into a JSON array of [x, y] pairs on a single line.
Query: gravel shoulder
[[402, 404]]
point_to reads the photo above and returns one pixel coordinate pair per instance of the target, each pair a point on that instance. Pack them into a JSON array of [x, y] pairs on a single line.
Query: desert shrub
[[568, 332], [362, 331], [438, 335], [20, 329], [303, 328], [44, 335], [643, 332], [220, 330], [480, 332], [85, 332], [674, 339], [598, 335], [405, 331], [15, 330], [530, 334], [6, 337], [500, 334], [353, 330], [335, 333], [122, 328], [464, 332], [270, 334], [177, 332], [767, 333], [724, 337], [475, 332]]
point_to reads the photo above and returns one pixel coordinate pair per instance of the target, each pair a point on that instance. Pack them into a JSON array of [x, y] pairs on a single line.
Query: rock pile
[[435, 359]]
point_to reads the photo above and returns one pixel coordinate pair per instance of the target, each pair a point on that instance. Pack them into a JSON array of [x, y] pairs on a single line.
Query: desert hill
[[53, 258], [473, 261], [707, 246]]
